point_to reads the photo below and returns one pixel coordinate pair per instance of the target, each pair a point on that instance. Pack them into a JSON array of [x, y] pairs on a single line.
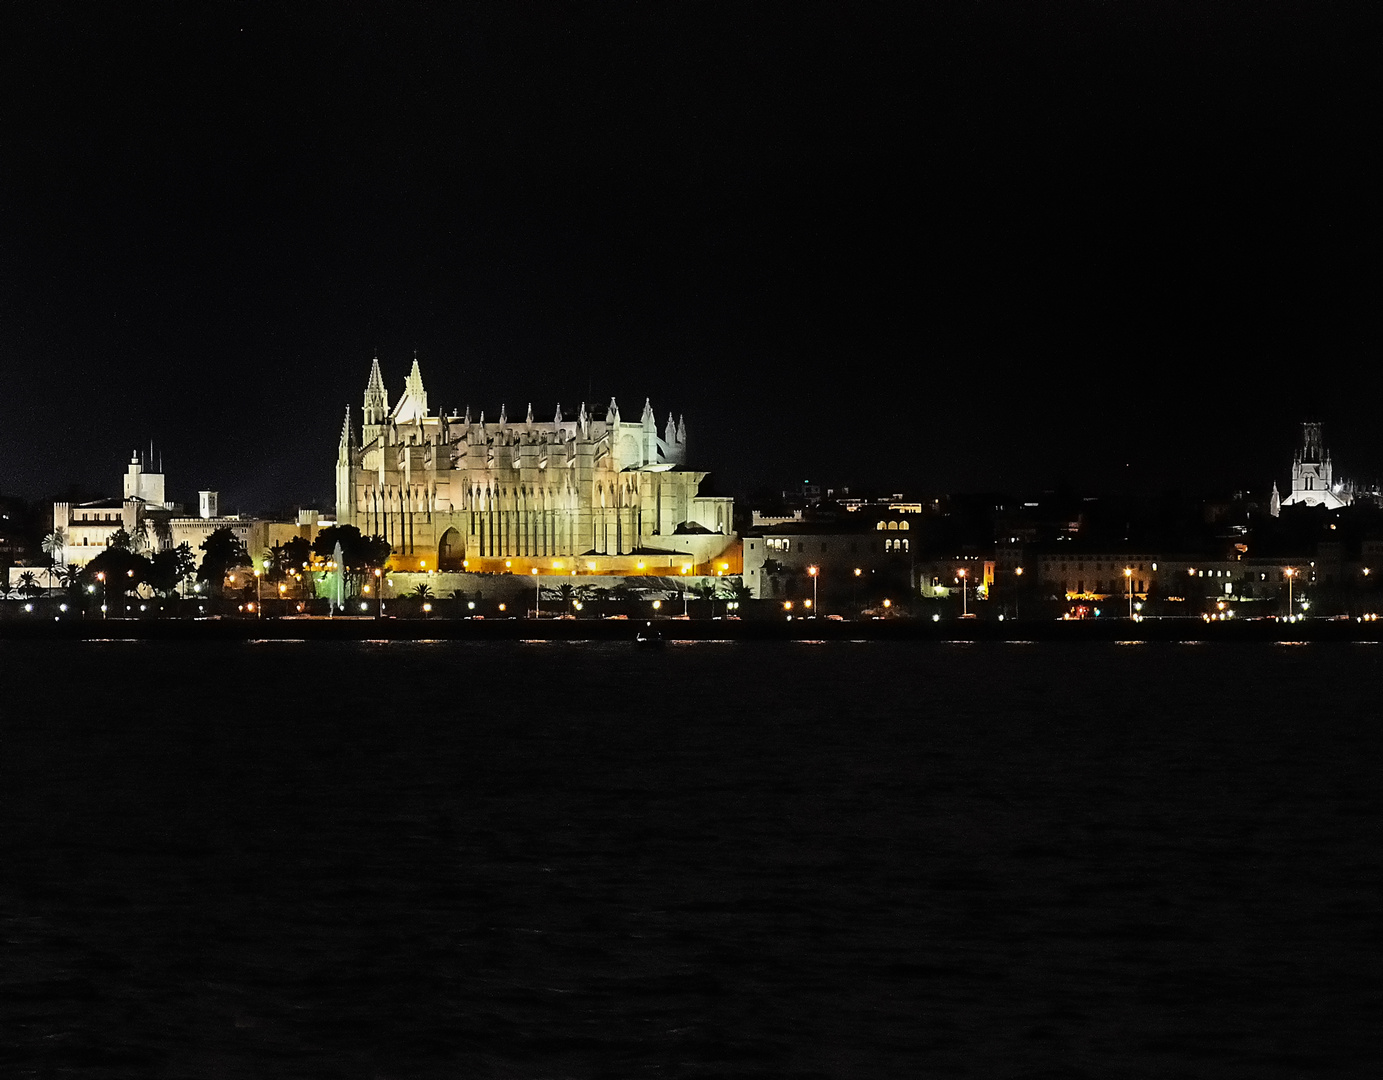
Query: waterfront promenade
[[526, 629]]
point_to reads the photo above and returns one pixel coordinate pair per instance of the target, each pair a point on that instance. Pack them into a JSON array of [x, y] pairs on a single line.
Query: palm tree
[[422, 592], [53, 545], [28, 584], [70, 578], [139, 539]]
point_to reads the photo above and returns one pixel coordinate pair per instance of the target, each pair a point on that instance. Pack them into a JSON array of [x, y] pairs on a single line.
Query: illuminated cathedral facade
[[584, 492], [1313, 477]]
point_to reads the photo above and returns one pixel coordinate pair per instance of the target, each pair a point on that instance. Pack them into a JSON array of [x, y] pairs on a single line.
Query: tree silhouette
[[359, 552], [222, 551]]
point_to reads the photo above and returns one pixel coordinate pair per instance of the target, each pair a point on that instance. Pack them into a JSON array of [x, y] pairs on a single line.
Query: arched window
[[903, 525], [879, 526], [893, 526]]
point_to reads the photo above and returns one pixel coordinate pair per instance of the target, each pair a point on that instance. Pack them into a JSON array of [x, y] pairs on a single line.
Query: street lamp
[[1128, 578], [814, 571], [259, 600], [101, 577], [537, 603], [1017, 573], [1291, 573], [379, 590], [964, 611]]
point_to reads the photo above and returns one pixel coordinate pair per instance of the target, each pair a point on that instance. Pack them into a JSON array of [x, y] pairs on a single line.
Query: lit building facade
[[454, 492], [1313, 476]]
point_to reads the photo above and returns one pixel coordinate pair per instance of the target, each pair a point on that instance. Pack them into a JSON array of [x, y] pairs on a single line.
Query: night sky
[[969, 247]]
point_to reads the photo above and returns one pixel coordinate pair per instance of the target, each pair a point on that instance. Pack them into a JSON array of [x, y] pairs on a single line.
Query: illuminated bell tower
[[376, 405]]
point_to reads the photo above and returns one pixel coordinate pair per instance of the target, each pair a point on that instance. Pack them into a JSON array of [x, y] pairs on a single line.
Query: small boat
[[649, 638]]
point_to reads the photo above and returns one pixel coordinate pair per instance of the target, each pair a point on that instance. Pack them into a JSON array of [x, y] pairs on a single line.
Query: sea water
[[710, 860]]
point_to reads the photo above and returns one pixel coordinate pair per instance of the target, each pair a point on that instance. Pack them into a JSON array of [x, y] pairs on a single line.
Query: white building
[[85, 527], [1313, 476]]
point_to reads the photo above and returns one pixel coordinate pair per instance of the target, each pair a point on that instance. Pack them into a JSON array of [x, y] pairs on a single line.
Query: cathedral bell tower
[[376, 405]]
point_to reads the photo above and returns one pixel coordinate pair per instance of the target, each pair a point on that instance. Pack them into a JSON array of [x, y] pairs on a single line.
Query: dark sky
[[925, 246]]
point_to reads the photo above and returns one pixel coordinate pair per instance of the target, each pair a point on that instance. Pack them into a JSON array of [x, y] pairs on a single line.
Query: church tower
[[1313, 474], [345, 458], [376, 404]]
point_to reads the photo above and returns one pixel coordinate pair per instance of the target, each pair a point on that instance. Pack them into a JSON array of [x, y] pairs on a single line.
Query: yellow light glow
[[888, 603], [639, 565], [812, 570], [508, 563], [806, 603], [590, 566]]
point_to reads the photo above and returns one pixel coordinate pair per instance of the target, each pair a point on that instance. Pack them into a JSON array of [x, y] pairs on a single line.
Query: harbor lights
[[814, 571]]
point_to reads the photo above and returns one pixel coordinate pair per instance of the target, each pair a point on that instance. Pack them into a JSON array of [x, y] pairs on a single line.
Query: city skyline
[[961, 249]]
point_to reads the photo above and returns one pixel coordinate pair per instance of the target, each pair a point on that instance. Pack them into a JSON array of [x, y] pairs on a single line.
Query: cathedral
[[590, 492], [1313, 477]]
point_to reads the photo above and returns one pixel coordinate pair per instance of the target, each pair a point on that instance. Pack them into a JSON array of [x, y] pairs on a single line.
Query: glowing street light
[[1128, 578], [379, 589], [814, 571], [537, 603], [1291, 573], [964, 610]]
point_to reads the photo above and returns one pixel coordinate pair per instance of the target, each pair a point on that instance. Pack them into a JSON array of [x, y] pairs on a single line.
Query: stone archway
[[451, 550]]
